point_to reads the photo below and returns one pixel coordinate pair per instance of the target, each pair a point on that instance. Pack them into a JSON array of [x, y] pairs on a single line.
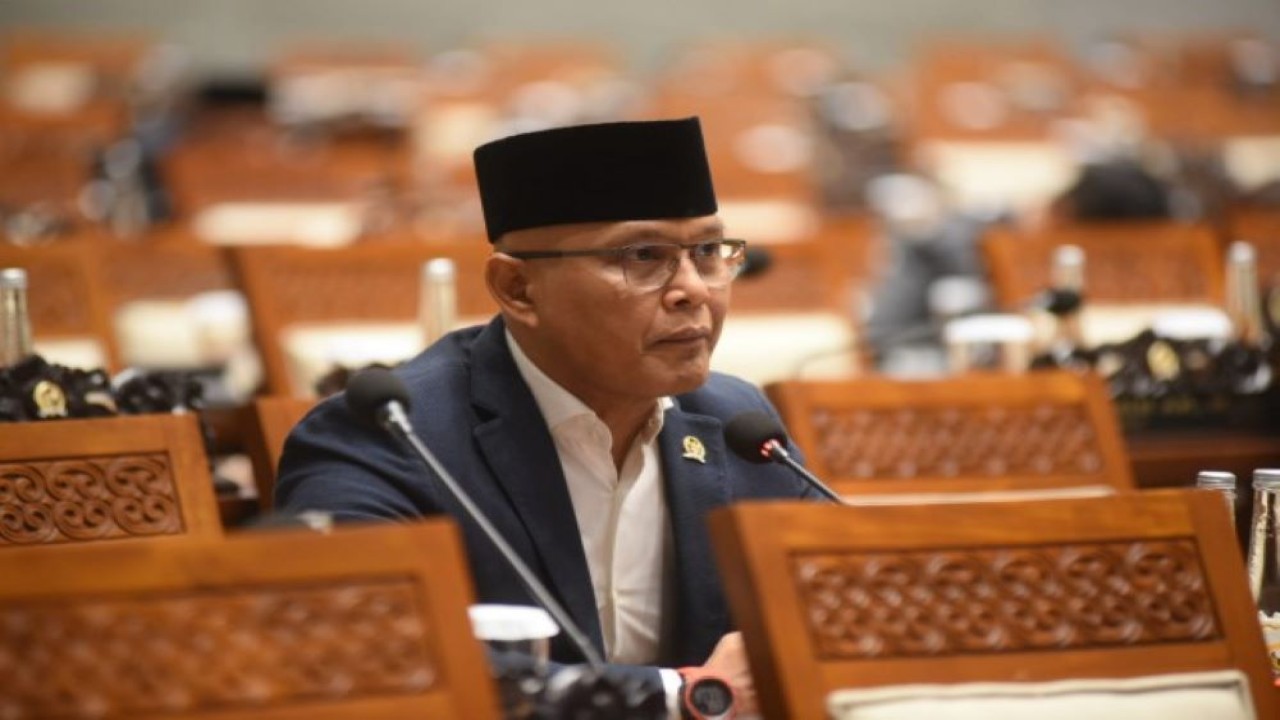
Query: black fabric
[[648, 170], [1119, 190]]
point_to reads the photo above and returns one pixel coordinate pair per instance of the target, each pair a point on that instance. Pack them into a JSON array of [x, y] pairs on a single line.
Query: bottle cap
[[1072, 255], [1266, 478], [1216, 480], [13, 278], [439, 269], [1241, 252]]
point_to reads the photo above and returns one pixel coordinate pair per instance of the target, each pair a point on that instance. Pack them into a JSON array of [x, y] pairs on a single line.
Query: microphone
[[379, 397], [1058, 301], [756, 262], [759, 438]]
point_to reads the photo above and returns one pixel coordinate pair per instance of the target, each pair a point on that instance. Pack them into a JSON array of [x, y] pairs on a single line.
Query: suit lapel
[[694, 487], [521, 454]]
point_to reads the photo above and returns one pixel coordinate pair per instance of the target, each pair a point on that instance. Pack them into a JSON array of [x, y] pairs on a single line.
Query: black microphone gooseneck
[[759, 438], [378, 396]]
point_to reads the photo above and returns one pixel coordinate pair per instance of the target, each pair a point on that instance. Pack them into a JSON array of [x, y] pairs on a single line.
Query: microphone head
[[369, 391], [748, 433], [756, 262]]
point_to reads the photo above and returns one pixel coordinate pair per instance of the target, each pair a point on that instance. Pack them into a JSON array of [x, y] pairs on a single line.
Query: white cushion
[[1220, 695], [1252, 161], [316, 224], [313, 349], [763, 347], [995, 175], [84, 353]]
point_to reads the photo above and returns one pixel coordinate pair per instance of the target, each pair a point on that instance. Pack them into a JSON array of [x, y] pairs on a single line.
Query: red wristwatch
[[706, 695]]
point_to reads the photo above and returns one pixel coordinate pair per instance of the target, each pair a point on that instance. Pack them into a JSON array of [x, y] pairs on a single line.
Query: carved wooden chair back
[[830, 597], [271, 419], [72, 482], [1143, 261], [361, 283], [992, 432], [173, 269], [363, 622], [66, 296]]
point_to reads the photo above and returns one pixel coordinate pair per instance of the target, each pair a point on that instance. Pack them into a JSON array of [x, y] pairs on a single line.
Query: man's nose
[[687, 282]]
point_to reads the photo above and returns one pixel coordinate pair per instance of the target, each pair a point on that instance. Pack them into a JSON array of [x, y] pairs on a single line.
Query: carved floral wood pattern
[[1120, 273], [174, 652], [89, 498], [862, 605], [958, 441]]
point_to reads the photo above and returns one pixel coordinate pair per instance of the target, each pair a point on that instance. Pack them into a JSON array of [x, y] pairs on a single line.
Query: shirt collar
[[559, 406]]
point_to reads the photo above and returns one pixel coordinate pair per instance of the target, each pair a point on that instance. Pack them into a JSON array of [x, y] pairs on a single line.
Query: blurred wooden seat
[[831, 598], [367, 283], [366, 622], [66, 297], [984, 91], [1261, 228], [983, 119], [269, 423], [66, 482], [326, 84], [752, 98], [70, 87], [1125, 262], [877, 435], [803, 276], [169, 269]]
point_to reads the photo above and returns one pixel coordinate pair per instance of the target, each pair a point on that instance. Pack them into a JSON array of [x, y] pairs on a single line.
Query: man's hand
[[729, 660]]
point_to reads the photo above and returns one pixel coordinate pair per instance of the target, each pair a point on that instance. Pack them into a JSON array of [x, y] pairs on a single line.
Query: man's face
[[604, 339]]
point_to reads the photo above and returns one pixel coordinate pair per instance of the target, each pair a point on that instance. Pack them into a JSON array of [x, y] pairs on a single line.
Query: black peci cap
[[648, 170]]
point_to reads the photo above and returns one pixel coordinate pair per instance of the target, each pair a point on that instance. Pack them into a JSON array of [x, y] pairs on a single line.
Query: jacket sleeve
[[332, 463]]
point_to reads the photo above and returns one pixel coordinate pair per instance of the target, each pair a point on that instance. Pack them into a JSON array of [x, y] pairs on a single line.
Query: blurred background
[[266, 196], [239, 36]]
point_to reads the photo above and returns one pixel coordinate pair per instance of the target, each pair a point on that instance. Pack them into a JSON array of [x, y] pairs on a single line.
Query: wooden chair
[[360, 283], [68, 482], [367, 622], [162, 267], [66, 296], [106, 67], [270, 421], [1260, 228], [803, 276], [1124, 261], [831, 598], [876, 435], [762, 142], [1029, 83]]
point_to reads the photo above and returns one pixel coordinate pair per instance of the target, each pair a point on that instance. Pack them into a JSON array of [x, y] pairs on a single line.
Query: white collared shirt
[[622, 515]]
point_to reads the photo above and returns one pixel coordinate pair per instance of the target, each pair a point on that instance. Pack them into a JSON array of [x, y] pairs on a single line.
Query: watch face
[[711, 697]]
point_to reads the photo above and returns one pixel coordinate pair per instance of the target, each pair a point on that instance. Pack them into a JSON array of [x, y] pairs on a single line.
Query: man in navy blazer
[[584, 420]]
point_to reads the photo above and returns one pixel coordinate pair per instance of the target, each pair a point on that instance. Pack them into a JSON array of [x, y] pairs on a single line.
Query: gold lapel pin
[[694, 449]]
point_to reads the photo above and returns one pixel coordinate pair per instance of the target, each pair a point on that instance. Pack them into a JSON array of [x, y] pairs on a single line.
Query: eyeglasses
[[650, 266]]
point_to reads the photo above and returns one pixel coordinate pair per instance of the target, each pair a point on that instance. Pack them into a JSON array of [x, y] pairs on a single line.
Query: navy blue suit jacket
[[473, 409]]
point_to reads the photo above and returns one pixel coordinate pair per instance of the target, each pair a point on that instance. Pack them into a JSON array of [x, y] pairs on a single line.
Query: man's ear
[[508, 283]]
